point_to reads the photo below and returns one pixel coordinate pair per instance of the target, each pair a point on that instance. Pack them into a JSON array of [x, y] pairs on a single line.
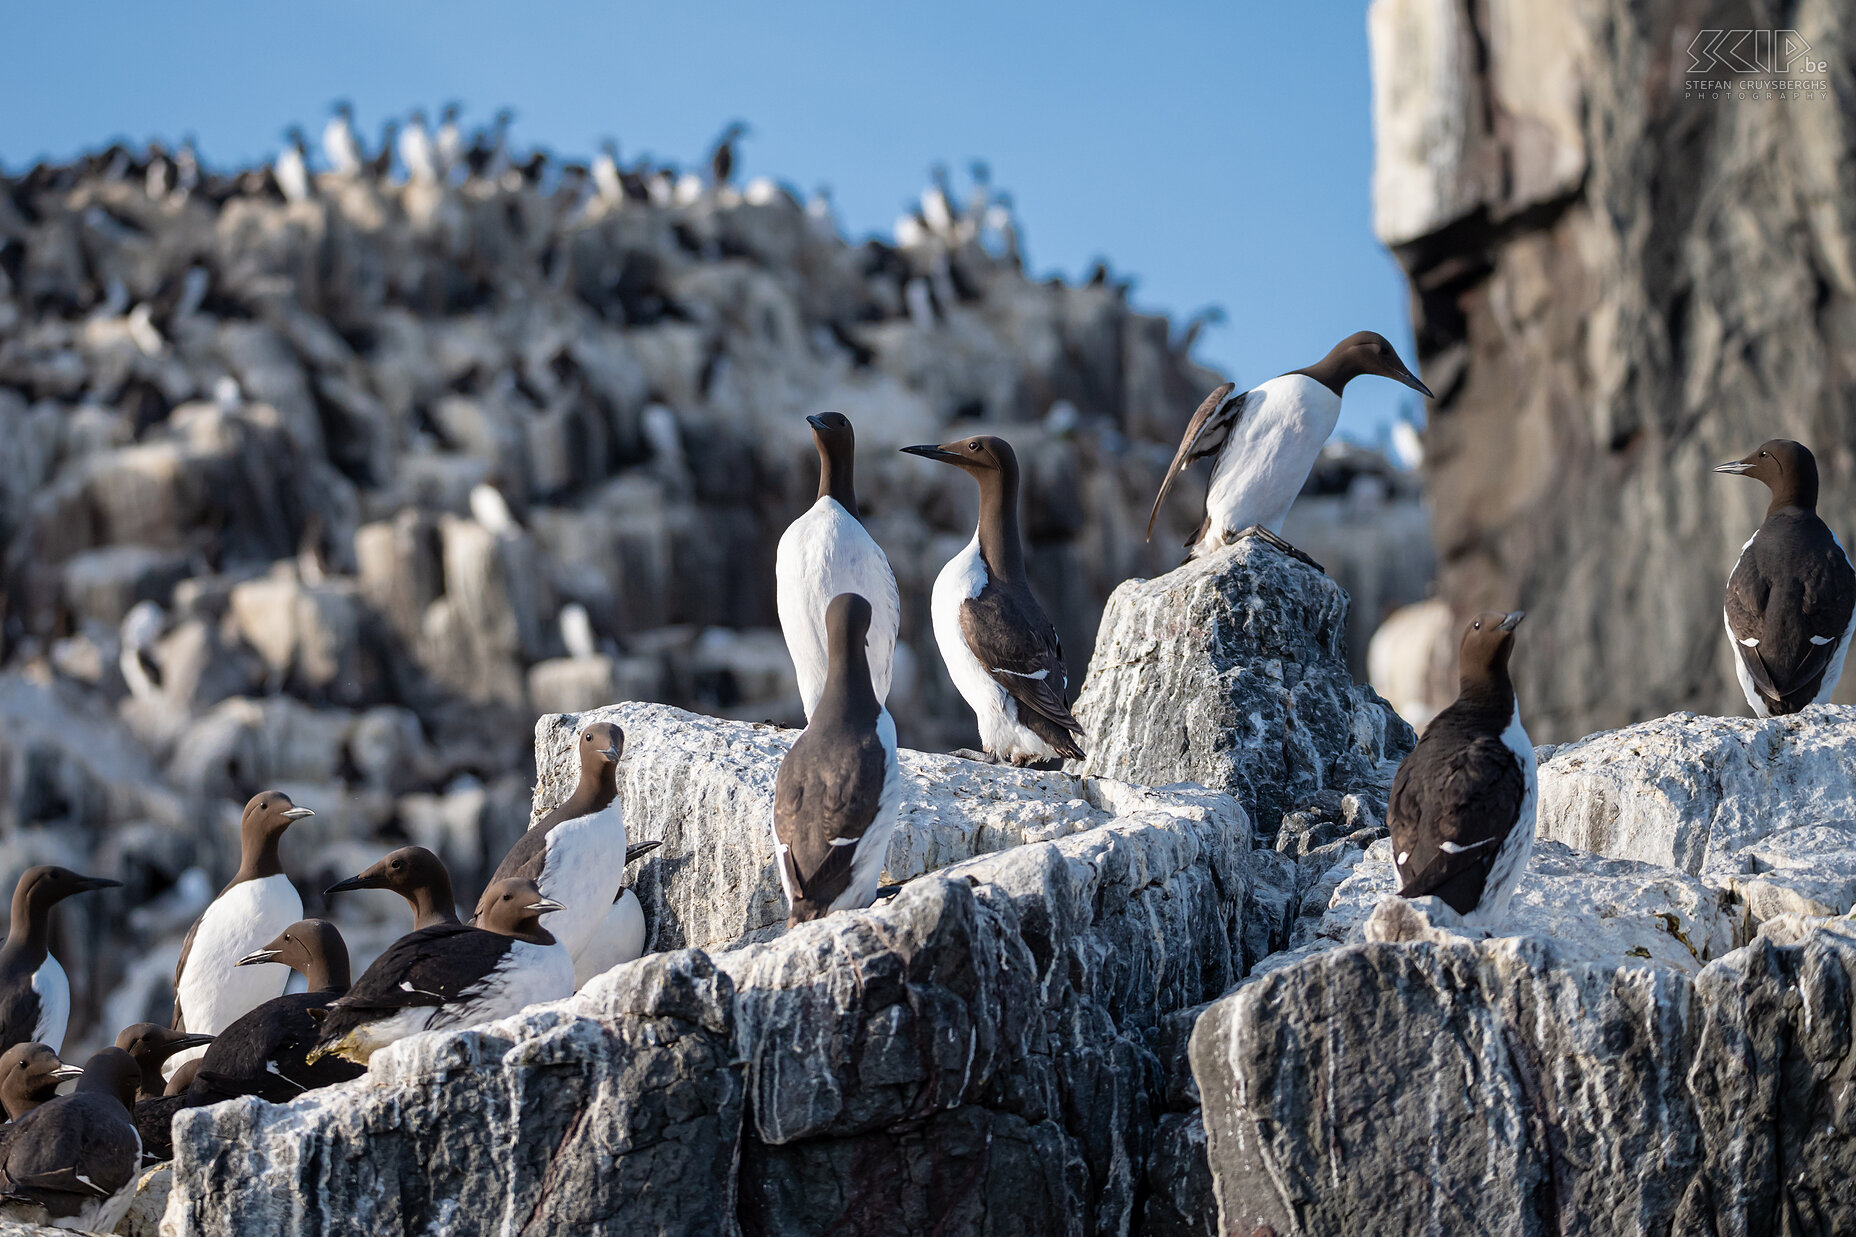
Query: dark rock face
[[1618, 279], [1441, 1087], [1231, 671]]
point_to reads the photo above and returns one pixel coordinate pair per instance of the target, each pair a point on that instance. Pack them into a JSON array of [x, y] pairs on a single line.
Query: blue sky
[[1218, 153]]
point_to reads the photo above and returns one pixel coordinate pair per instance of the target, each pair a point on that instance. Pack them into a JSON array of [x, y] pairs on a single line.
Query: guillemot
[[825, 552], [1791, 599], [339, 146], [1267, 439], [417, 875], [29, 1076], [1000, 650], [1462, 808], [576, 853], [452, 976], [835, 795], [265, 1053], [291, 169], [35, 995], [210, 990], [72, 1161]]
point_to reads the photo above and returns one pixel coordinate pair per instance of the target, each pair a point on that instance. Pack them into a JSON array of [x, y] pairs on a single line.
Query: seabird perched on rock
[[576, 853], [453, 976], [1267, 439], [722, 155], [825, 552], [35, 995], [210, 989], [1000, 650], [29, 1076], [1791, 599], [292, 167], [339, 146], [417, 875], [73, 1160], [265, 1052], [606, 179], [621, 935], [415, 146], [150, 1045], [448, 145], [1462, 807], [835, 796]]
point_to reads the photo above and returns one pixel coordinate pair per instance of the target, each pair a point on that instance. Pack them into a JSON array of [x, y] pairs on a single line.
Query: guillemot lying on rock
[[452, 976], [1001, 651], [825, 552], [35, 995], [1461, 813], [210, 989], [1267, 439], [835, 796], [72, 1161], [1791, 600]]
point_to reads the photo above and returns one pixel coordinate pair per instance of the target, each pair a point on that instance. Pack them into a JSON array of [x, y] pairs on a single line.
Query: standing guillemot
[[35, 995], [621, 935], [1462, 808], [1000, 650], [265, 1053], [452, 976], [149, 1045], [72, 1161], [209, 988], [576, 853], [1791, 599], [835, 796], [417, 875], [1268, 438], [825, 552]]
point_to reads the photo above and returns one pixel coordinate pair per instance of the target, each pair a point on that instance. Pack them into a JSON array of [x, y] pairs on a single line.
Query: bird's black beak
[[297, 813], [1513, 620], [612, 753], [544, 906], [86, 883], [1734, 468], [68, 1071], [816, 422], [363, 881], [638, 850], [181, 1042], [930, 451], [257, 956]]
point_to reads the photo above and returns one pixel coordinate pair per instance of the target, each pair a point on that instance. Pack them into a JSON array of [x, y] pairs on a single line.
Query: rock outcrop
[[980, 1050], [1629, 261]]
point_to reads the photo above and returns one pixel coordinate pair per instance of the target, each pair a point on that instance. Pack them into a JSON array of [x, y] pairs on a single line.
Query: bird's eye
[[973, 446], [1477, 625], [1762, 455], [589, 736]]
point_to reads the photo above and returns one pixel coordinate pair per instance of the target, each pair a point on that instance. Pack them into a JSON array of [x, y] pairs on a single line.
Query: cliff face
[[1618, 280]]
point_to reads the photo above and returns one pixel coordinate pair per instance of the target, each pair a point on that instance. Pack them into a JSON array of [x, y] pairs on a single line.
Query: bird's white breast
[[873, 847], [620, 939], [528, 975], [1268, 455], [583, 870], [54, 992], [213, 991], [825, 552]]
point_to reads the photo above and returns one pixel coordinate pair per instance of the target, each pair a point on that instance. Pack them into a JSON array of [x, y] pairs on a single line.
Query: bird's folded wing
[[1205, 433], [1449, 815], [428, 967], [1021, 652], [820, 818], [180, 967]]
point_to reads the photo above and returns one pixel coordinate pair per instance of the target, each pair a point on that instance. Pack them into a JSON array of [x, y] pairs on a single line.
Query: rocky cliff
[[1628, 263]]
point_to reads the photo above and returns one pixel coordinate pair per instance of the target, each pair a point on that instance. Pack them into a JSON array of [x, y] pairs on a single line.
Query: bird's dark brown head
[[48, 885], [112, 1072], [601, 744], [268, 813], [514, 907], [29, 1075], [1787, 468], [150, 1043], [1488, 641], [1364, 352], [402, 871], [832, 431], [302, 947], [979, 455]]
